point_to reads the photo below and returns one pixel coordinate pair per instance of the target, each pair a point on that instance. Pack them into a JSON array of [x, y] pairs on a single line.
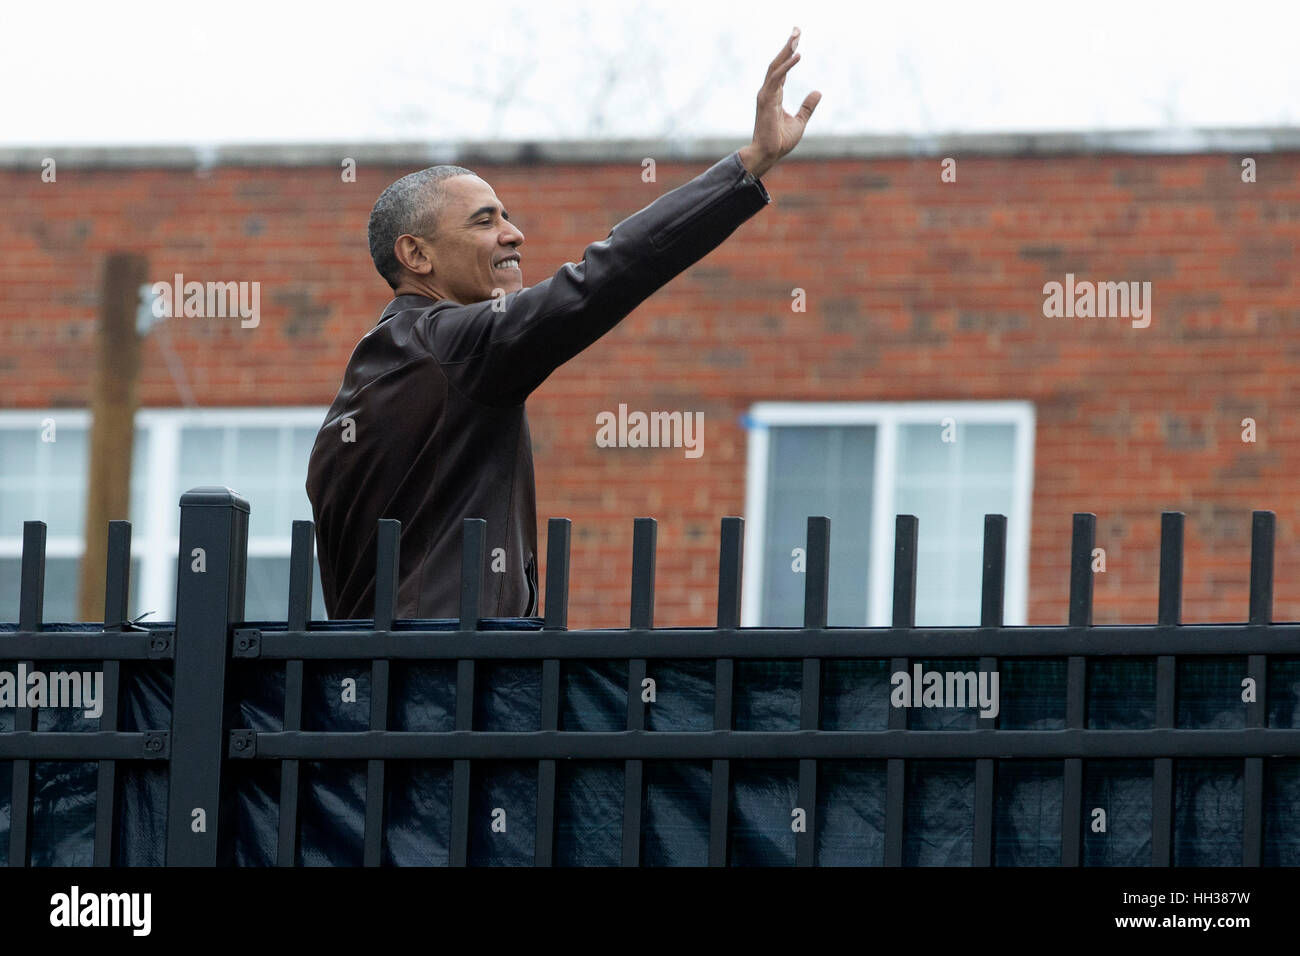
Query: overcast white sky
[[108, 73]]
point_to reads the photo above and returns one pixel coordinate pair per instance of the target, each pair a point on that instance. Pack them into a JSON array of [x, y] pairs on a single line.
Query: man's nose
[[516, 237]]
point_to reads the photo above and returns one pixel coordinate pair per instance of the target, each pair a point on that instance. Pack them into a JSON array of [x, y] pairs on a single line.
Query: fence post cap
[[214, 496]]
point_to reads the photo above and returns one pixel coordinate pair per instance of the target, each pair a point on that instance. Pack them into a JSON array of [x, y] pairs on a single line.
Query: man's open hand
[[776, 132]]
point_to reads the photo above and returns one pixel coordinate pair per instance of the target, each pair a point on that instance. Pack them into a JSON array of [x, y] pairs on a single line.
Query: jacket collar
[[403, 302]]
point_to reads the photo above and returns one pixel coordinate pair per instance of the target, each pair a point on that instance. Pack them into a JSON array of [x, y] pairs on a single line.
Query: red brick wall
[[917, 290]]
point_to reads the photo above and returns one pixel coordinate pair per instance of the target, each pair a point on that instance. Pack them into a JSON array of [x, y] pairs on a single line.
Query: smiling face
[[472, 249]]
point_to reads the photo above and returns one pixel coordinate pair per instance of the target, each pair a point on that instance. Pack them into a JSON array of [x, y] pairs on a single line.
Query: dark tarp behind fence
[[850, 817]]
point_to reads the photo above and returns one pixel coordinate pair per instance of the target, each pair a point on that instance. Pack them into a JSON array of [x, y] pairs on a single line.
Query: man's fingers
[[777, 77], [790, 44], [809, 104]]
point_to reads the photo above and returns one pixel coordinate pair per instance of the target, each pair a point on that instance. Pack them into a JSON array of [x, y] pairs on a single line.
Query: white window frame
[[887, 417], [157, 546]]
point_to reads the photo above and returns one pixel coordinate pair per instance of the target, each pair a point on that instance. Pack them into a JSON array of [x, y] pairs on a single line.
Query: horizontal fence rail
[[217, 738]]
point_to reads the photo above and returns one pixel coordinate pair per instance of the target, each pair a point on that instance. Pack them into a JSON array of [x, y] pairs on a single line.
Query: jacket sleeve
[[497, 352]]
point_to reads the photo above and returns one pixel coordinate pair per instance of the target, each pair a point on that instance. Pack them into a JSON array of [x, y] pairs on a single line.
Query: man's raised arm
[[498, 351]]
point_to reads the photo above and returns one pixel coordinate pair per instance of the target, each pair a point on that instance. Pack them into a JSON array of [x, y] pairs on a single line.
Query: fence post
[[645, 535], [1261, 615], [299, 619], [904, 616], [210, 580], [387, 561], [557, 618], [1083, 538], [816, 603], [992, 591], [473, 544], [117, 580], [1169, 614], [731, 552], [31, 615]]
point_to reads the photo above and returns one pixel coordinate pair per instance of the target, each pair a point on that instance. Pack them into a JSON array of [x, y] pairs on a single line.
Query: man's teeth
[[508, 264]]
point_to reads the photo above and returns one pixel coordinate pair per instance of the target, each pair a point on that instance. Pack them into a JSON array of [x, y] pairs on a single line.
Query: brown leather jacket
[[429, 425]]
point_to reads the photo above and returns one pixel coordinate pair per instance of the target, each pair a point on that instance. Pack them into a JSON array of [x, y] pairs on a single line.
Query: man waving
[[429, 425]]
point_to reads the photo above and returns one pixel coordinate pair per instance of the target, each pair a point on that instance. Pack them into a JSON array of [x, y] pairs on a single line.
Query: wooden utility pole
[[112, 431]]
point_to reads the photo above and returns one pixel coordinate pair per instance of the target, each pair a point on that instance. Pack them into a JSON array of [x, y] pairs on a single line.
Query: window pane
[[202, 459], [992, 451], [63, 482], [266, 465], [42, 480], [922, 452], [299, 504], [815, 470], [60, 588], [46, 481], [260, 476], [267, 593], [18, 449], [62, 577], [17, 504], [140, 492], [950, 486]]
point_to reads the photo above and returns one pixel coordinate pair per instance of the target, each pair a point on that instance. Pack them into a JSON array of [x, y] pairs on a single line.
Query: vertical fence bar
[[730, 571], [544, 850], [557, 610], [459, 855], [730, 552], [816, 602], [474, 543], [31, 612], [387, 562], [1170, 612], [298, 619], [992, 601], [1261, 567], [645, 534], [471, 588], [117, 582], [904, 616], [1261, 615], [1082, 541], [558, 531], [1169, 615], [211, 577], [816, 588]]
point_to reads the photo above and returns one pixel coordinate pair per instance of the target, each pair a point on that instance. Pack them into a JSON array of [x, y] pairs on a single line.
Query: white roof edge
[[516, 152]]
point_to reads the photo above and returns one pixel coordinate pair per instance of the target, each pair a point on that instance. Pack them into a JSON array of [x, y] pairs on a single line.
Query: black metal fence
[[203, 748]]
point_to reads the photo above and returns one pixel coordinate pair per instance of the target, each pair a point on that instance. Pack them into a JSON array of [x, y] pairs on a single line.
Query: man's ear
[[413, 253]]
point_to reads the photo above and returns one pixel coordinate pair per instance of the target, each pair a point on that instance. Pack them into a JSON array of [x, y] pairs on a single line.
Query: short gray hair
[[412, 205]]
